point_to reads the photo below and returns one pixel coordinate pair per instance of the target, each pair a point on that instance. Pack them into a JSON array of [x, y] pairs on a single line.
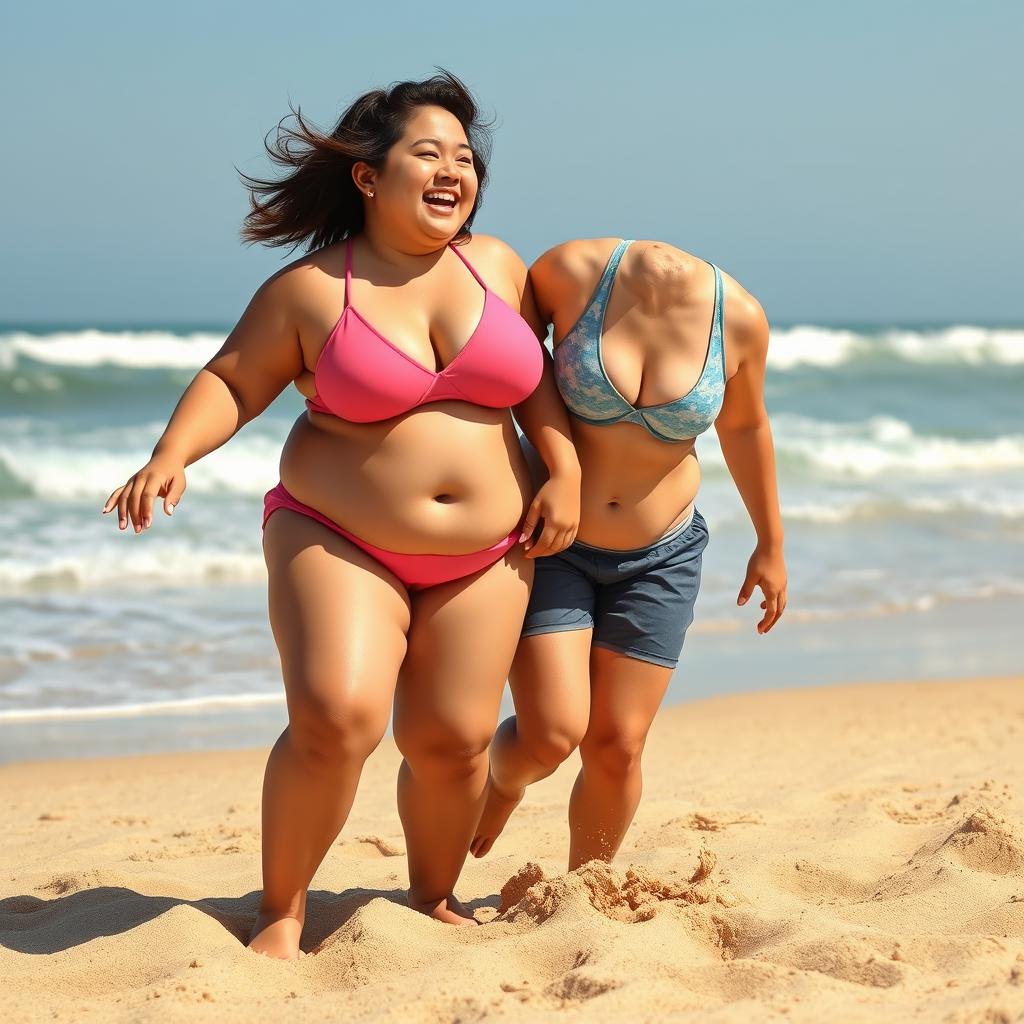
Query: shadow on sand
[[32, 925]]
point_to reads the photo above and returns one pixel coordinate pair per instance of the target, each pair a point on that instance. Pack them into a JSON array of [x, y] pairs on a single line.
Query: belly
[[447, 478], [635, 487]]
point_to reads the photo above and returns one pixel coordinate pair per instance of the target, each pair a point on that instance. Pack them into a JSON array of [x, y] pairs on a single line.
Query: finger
[[134, 501], [543, 547], [175, 489], [149, 494], [780, 608], [112, 500], [563, 541], [530, 525], [558, 538], [769, 615], [747, 589], [122, 505]]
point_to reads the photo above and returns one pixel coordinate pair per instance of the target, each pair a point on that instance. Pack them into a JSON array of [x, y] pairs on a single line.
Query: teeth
[[447, 196]]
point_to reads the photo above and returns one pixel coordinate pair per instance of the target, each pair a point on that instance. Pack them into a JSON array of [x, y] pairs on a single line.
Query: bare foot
[[448, 910], [498, 809], [276, 936]]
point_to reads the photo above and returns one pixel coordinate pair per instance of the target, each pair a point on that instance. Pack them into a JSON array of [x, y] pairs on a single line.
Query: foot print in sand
[[698, 821], [371, 846], [715, 821]]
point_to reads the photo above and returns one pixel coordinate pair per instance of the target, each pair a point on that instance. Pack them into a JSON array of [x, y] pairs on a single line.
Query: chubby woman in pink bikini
[[400, 541]]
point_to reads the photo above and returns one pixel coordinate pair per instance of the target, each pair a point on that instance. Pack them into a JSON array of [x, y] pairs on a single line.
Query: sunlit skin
[[447, 478], [634, 489]]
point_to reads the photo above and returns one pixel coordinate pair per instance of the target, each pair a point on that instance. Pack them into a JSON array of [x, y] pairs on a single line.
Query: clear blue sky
[[847, 161]]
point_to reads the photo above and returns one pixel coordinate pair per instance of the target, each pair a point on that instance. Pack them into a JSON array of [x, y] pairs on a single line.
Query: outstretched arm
[[746, 439], [256, 362]]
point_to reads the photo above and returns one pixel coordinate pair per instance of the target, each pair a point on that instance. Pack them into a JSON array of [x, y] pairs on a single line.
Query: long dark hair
[[316, 202]]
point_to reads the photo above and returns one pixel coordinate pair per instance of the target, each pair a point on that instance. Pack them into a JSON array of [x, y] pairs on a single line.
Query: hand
[[767, 570], [162, 477], [558, 504]]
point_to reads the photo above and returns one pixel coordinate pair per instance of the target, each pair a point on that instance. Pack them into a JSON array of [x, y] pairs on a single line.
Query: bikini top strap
[[469, 265], [604, 286], [717, 331], [348, 270]]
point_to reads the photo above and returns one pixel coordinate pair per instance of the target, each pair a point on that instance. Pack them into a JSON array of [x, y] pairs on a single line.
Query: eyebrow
[[437, 142]]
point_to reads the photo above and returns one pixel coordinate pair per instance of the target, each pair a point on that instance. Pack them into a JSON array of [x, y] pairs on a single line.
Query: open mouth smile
[[441, 200]]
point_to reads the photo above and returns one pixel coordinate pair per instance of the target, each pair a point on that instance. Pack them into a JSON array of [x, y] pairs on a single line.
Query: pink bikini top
[[360, 376]]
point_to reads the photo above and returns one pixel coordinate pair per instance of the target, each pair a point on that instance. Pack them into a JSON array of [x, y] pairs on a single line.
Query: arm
[[746, 439], [256, 362], [545, 423]]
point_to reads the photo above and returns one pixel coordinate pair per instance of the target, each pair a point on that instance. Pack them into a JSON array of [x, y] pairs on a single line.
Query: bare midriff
[[447, 478], [635, 487]]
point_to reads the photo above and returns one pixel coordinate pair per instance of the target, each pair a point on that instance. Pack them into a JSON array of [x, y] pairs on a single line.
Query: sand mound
[[986, 842], [630, 896]]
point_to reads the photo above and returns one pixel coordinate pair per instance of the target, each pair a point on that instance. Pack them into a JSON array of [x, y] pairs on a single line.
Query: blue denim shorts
[[639, 603]]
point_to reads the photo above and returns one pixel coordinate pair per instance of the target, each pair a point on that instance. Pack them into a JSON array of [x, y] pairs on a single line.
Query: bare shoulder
[[494, 252], [746, 324], [666, 266], [575, 260], [300, 286]]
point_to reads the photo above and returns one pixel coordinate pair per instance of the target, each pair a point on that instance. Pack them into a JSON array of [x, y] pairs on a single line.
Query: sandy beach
[[844, 853]]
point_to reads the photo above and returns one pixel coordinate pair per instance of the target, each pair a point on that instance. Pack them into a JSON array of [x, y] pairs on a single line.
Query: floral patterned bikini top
[[590, 395]]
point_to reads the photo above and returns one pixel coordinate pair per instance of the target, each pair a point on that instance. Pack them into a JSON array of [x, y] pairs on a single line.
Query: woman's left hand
[[767, 570], [558, 504]]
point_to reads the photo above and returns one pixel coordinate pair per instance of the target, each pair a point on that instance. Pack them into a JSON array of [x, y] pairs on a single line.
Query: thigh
[[462, 639], [550, 676], [339, 619], [550, 682], [625, 694]]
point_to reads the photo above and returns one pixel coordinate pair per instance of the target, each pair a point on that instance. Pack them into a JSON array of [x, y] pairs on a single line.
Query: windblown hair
[[316, 202]]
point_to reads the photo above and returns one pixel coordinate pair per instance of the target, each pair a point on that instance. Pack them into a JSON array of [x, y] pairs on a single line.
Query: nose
[[449, 172]]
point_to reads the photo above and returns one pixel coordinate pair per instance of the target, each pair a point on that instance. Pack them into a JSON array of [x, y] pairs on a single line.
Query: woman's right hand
[[161, 477]]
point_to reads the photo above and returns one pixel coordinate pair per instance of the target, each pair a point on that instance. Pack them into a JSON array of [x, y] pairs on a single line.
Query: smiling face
[[427, 187]]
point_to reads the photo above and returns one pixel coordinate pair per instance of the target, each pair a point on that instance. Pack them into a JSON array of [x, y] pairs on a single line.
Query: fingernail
[[170, 510], [138, 529], [522, 537], [148, 523], [121, 524]]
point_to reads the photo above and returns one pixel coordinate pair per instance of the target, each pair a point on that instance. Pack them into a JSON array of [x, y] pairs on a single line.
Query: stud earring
[[370, 194]]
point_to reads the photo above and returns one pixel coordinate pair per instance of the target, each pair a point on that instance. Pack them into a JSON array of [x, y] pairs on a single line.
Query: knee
[[614, 755], [440, 754], [549, 747], [332, 731]]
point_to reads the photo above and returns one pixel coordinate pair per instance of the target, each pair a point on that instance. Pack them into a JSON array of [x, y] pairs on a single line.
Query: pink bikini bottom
[[415, 571]]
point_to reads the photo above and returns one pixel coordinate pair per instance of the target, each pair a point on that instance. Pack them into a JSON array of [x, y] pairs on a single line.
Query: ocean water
[[901, 467]]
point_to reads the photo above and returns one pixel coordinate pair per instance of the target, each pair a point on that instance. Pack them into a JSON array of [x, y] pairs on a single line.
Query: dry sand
[[842, 854]]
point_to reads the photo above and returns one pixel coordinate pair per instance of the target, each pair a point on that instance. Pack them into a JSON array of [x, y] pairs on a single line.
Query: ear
[[365, 177]]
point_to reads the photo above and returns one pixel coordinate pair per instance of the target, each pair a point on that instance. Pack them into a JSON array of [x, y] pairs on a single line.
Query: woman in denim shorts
[[651, 347]]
